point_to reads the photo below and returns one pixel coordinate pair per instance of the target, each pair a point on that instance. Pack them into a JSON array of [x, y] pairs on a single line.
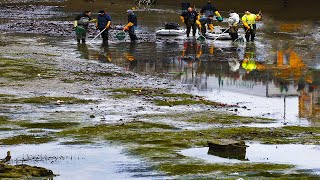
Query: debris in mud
[[23, 171], [228, 148]]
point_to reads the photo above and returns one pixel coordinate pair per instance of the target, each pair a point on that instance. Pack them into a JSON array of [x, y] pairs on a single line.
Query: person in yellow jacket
[[249, 23]]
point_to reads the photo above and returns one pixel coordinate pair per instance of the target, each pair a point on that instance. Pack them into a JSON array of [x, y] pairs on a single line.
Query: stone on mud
[[23, 171], [227, 148]]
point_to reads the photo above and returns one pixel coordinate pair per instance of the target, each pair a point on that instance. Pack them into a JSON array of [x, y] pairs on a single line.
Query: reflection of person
[[191, 52], [81, 24], [233, 25], [249, 62], [234, 65], [249, 23], [83, 48], [131, 25], [104, 54], [103, 24], [130, 56], [191, 20]]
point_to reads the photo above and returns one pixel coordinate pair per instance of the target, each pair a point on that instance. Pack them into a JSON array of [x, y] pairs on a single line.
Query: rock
[[92, 116], [23, 171], [227, 148]]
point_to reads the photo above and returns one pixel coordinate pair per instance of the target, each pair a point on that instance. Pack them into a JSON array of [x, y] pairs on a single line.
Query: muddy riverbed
[[128, 110]]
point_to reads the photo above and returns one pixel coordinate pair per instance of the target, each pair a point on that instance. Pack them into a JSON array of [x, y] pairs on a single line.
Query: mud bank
[[55, 97]]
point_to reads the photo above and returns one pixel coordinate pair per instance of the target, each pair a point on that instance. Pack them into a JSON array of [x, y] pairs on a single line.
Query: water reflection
[[303, 156], [273, 81], [132, 62], [104, 54], [84, 51]]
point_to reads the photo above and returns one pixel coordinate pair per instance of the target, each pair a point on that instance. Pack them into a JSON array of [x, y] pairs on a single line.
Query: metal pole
[[221, 34], [97, 35]]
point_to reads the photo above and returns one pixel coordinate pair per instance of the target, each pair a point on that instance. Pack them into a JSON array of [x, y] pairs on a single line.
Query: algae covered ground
[[51, 94], [152, 121]]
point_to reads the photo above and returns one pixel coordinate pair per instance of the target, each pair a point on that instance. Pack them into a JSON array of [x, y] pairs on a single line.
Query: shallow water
[[286, 89], [284, 85], [304, 157], [81, 161]]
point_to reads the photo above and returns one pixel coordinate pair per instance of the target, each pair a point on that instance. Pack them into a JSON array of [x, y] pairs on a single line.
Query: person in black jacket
[[191, 19], [131, 25], [103, 24], [81, 24]]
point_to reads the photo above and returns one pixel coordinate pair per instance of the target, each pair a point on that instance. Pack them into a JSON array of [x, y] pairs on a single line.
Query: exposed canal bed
[[127, 110]]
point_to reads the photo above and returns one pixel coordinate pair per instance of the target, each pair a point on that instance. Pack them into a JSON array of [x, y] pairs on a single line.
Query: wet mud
[[157, 96]]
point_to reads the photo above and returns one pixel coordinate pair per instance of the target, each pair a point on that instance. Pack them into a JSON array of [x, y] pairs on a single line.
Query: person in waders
[[81, 24], [233, 22], [103, 24], [249, 23], [191, 20], [131, 26], [206, 20]]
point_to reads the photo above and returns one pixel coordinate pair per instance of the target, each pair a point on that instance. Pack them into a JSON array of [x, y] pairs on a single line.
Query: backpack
[[171, 26]]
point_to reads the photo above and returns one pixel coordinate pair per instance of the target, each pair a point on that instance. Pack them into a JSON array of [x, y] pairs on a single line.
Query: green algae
[[195, 168], [45, 100], [50, 125], [120, 96], [23, 69], [6, 95], [23, 171], [174, 95], [184, 102], [26, 139], [76, 142], [140, 91], [160, 144], [4, 120]]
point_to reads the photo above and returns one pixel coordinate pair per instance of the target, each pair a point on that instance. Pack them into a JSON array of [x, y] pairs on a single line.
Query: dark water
[[277, 76]]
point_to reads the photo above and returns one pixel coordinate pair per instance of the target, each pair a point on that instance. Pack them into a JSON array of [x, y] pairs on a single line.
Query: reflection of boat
[[171, 29], [219, 33]]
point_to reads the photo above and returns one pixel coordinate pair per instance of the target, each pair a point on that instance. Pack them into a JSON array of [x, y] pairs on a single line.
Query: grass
[[160, 143], [23, 171], [23, 69], [45, 100], [195, 168], [26, 139], [50, 125], [212, 117], [184, 102]]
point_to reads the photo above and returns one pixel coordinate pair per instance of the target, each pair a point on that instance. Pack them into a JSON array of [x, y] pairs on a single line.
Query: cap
[[101, 11], [129, 11]]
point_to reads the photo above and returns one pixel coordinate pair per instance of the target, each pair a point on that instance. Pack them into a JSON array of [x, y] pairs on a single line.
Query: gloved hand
[[107, 27], [126, 28], [182, 19], [219, 18]]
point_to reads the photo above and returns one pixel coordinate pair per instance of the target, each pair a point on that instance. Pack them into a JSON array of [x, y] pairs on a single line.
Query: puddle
[[80, 162], [306, 157], [274, 91]]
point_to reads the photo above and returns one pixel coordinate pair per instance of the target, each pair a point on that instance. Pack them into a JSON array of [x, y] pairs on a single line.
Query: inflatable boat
[[219, 34], [171, 29]]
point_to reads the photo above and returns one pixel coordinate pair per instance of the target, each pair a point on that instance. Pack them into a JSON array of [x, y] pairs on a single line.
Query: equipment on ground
[[219, 34], [121, 35], [170, 29]]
